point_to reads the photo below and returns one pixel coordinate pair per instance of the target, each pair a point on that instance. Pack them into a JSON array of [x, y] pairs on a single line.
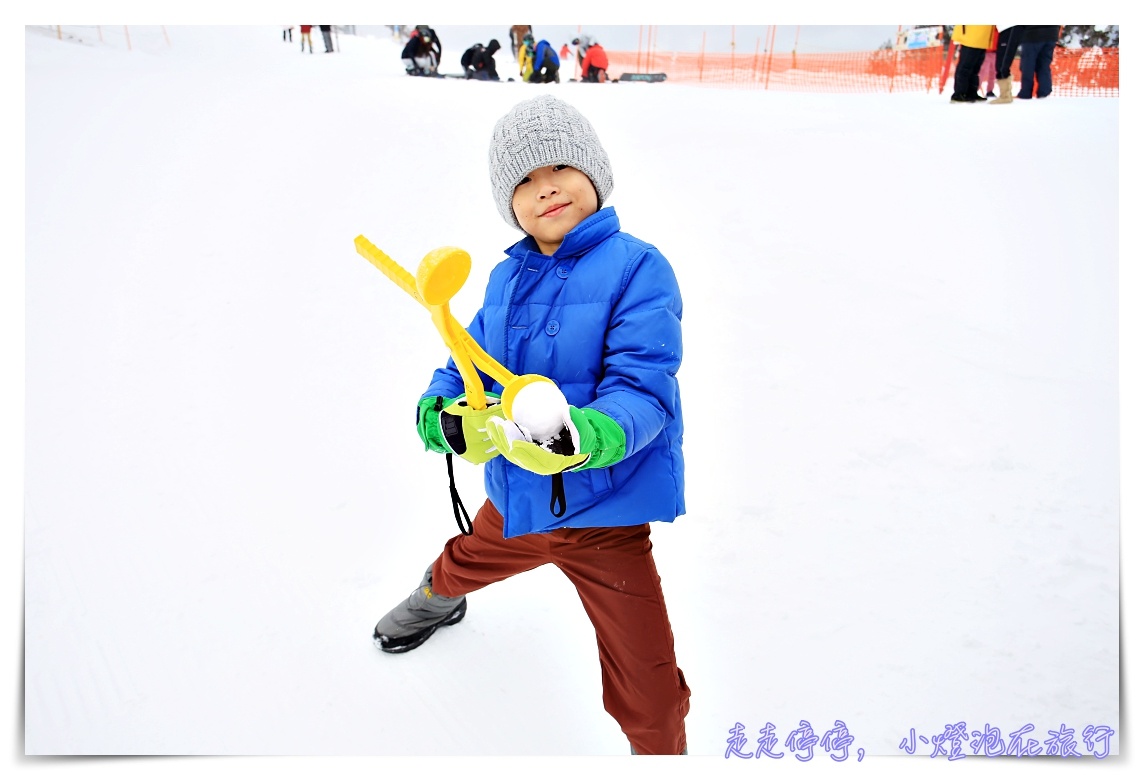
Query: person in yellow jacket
[[974, 40], [525, 56]]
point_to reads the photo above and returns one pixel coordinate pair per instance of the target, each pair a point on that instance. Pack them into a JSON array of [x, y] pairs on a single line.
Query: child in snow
[[597, 311]]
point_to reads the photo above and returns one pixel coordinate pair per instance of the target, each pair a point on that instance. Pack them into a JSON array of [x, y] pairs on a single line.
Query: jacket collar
[[579, 239]]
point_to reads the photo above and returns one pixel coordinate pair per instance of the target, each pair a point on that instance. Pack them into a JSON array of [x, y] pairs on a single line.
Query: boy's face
[[550, 201]]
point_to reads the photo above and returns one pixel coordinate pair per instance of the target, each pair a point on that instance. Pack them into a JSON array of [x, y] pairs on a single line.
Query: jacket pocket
[[600, 480]]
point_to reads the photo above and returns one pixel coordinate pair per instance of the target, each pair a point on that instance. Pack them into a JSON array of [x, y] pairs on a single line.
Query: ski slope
[[900, 385]]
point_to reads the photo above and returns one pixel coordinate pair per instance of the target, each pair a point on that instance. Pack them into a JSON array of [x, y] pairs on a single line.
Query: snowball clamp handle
[[440, 276]]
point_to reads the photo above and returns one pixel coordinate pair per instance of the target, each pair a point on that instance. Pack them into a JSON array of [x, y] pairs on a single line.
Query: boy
[[598, 312]]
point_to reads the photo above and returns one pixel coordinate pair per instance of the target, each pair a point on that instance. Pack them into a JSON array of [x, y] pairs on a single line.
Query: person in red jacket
[[594, 66], [305, 36]]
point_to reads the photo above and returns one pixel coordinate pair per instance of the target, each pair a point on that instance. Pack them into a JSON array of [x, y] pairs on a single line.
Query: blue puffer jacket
[[544, 51], [601, 318]]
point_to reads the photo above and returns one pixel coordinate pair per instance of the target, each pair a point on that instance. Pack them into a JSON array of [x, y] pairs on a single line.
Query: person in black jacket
[[1038, 42], [423, 52], [479, 63], [327, 37]]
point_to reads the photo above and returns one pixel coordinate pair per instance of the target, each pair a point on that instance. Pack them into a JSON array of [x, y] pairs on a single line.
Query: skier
[[598, 312]]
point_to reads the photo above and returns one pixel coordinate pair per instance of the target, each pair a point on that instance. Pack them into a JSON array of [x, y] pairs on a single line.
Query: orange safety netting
[[1076, 72]]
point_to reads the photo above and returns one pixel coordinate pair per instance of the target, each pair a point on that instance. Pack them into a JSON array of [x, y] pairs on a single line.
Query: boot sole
[[406, 643]]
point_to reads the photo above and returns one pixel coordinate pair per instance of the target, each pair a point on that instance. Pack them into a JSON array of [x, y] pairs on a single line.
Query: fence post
[[127, 34], [168, 40], [702, 49], [894, 49], [732, 54], [755, 63], [946, 66], [770, 56]]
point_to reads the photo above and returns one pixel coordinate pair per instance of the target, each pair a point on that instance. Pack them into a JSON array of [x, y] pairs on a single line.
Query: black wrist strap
[[557, 495], [455, 496]]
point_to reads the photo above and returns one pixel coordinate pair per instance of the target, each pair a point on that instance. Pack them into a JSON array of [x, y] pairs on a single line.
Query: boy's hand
[[510, 442], [593, 440], [453, 426]]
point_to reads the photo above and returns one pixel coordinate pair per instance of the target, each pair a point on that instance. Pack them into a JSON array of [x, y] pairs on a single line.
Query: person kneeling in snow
[[422, 53], [594, 61], [545, 63], [479, 63]]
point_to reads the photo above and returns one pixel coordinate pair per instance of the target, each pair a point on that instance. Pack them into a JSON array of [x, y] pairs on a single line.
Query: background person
[[987, 76], [479, 63], [516, 35], [974, 40], [1038, 42], [525, 56], [594, 66], [1008, 39], [422, 53], [545, 63]]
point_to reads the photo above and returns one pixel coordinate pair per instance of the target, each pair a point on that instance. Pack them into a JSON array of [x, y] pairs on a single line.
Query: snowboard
[[462, 76], [649, 77]]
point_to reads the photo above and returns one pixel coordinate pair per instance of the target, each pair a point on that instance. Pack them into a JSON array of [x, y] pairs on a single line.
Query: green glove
[[589, 440], [453, 426]]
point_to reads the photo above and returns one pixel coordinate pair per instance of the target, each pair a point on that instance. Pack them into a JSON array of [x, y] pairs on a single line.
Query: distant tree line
[[1071, 35], [1090, 35]]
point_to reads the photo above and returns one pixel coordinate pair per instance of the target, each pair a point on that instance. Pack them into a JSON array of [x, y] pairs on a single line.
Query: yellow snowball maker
[[440, 276]]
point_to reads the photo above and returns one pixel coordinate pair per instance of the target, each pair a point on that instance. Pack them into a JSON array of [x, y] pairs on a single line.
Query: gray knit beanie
[[540, 132]]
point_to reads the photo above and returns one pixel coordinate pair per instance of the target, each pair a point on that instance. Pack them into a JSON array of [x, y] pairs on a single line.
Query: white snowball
[[539, 410]]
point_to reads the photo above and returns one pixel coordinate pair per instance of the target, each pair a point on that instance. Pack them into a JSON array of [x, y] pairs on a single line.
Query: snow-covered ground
[[900, 384]]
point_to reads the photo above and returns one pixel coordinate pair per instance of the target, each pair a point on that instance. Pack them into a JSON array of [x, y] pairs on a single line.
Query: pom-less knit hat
[[540, 132]]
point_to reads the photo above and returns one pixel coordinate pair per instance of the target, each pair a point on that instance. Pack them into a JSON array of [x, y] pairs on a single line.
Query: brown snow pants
[[615, 576]]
